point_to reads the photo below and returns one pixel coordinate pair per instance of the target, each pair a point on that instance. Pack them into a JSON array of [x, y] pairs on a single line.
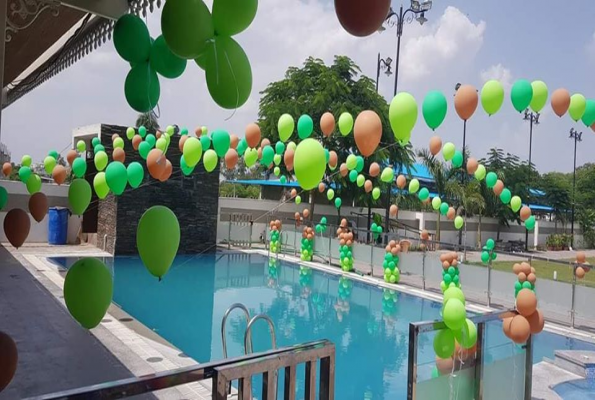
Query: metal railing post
[[572, 311], [489, 291], [228, 234], [479, 361], [372, 255], [251, 232], [330, 253], [294, 239], [528, 368], [423, 270], [412, 363]]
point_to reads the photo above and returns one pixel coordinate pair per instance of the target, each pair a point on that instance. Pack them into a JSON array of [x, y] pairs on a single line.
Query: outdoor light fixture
[[422, 19]]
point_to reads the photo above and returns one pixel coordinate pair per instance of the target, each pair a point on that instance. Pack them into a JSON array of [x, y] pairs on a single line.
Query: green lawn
[[545, 270]]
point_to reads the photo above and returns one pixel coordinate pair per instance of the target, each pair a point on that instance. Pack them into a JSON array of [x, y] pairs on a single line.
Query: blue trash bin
[[58, 225]]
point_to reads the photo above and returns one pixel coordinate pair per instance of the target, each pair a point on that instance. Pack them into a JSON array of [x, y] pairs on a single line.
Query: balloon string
[[236, 86]]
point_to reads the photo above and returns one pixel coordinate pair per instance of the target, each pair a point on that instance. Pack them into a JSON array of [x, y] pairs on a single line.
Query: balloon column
[[488, 254], [391, 262], [273, 272], [307, 244], [450, 271], [389, 303], [345, 237], [275, 227], [583, 267], [342, 306], [306, 280]]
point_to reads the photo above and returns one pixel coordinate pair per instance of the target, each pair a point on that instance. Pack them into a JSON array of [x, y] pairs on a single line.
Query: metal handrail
[[436, 325], [180, 376], [224, 321], [248, 334]]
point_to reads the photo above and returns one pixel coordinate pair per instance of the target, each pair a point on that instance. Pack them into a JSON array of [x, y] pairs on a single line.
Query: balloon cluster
[[273, 272], [307, 243], [376, 230], [488, 252], [275, 227], [342, 306], [391, 262], [389, 303], [306, 281], [450, 271], [345, 237], [584, 267], [529, 319], [321, 227]]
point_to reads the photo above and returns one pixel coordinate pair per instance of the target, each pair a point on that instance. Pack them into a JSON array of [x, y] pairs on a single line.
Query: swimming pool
[[368, 325]]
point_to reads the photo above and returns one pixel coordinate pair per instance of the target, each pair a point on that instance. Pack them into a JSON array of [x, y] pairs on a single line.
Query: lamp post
[[577, 137], [533, 118]]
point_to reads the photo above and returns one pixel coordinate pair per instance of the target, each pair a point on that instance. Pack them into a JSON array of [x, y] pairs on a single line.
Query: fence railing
[[242, 369]]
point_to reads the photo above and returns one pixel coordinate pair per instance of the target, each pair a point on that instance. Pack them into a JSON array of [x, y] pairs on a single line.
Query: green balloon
[[308, 163], [436, 203], [330, 194], [485, 257], [283, 179], [521, 94], [291, 146], [423, 194], [454, 314], [231, 17], [100, 185], [201, 60], [539, 96], [588, 117], [448, 151], [131, 39], [34, 184], [480, 172], [490, 244], [267, 155], [491, 179], [277, 159], [360, 180], [492, 96], [338, 202], [79, 167], [444, 208], [353, 175], [158, 239], [250, 157], [49, 163], [402, 115], [118, 143], [285, 127], [3, 197], [530, 223], [141, 88], [505, 196], [54, 154], [142, 131], [24, 174], [434, 109], [192, 151], [444, 343], [459, 222], [186, 170], [228, 73], [95, 141], [413, 186], [359, 163], [457, 159], [130, 132], [210, 160], [205, 142], [516, 203], [81, 146], [98, 148], [468, 334], [351, 162], [187, 27], [164, 62], [116, 176], [387, 175], [88, 290], [151, 139], [135, 174], [144, 148], [298, 199], [26, 161], [161, 144], [305, 126], [79, 196], [376, 193], [221, 142], [242, 146], [100, 159], [453, 293], [279, 148], [345, 123]]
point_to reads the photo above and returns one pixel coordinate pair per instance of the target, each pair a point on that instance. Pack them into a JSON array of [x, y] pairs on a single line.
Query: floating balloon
[[492, 97], [588, 117], [187, 27], [516, 203], [33, 184], [525, 213], [130, 132], [498, 187], [242, 146], [444, 208], [374, 170], [192, 151], [141, 88], [436, 203], [81, 146], [444, 343], [457, 159], [100, 185], [59, 174], [221, 142], [250, 157], [401, 181], [288, 158], [6, 168], [361, 18], [167, 171], [142, 131], [298, 199], [231, 17], [387, 175], [413, 186], [158, 239], [285, 127], [136, 141], [279, 148], [10, 357], [71, 156], [578, 105], [505, 196], [231, 159], [472, 165], [186, 170], [520, 330], [88, 290], [402, 114], [309, 163], [143, 150], [25, 174], [118, 143], [459, 222], [345, 123], [205, 142], [423, 194], [530, 223], [327, 124], [150, 138], [49, 163], [448, 151], [521, 94], [435, 145], [305, 126], [560, 101], [359, 163], [164, 61], [376, 193], [352, 175], [539, 96], [116, 177], [491, 179], [360, 180], [367, 132], [26, 161], [368, 186], [338, 202], [38, 206], [210, 160], [131, 39], [434, 109], [16, 227], [333, 160], [454, 314], [480, 173], [351, 162], [156, 163], [267, 155], [466, 101], [100, 159]]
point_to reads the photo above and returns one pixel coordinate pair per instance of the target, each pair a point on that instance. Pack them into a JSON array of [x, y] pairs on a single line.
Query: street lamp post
[[533, 118], [577, 137]]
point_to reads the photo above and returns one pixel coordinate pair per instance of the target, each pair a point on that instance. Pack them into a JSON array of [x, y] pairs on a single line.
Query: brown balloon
[[581, 257], [119, 155], [424, 235], [265, 142], [401, 181], [288, 159], [158, 134], [526, 302], [525, 268], [472, 165], [252, 135], [435, 145], [522, 277], [115, 136], [367, 132], [516, 268], [16, 226], [136, 141], [374, 170], [71, 156], [343, 170], [59, 174], [166, 171], [444, 365], [321, 187], [498, 187], [525, 213], [506, 326], [361, 18], [38, 206], [451, 214], [536, 322], [327, 124], [532, 278], [260, 153], [198, 131], [580, 272], [6, 168], [466, 101], [9, 361], [368, 186], [520, 330], [233, 141], [560, 101], [156, 163], [231, 158], [293, 192], [393, 210], [306, 213], [333, 159], [181, 143]]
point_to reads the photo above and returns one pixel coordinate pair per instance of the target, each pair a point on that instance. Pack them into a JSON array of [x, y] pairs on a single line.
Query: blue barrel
[[58, 225]]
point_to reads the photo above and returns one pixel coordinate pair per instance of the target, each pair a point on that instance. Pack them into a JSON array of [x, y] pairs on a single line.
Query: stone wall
[[194, 199]]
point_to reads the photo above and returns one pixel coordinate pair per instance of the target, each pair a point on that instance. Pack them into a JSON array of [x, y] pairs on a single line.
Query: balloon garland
[[307, 244], [488, 252], [391, 262], [275, 243], [345, 237]]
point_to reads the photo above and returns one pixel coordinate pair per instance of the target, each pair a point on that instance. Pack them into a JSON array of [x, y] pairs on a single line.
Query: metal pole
[[479, 366], [228, 235], [572, 312], [3, 11], [294, 239], [399, 33], [412, 363], [423, 270], [528, 367], [330, 253], [530, 168], [377, 72], [573, 194], [489, 291]]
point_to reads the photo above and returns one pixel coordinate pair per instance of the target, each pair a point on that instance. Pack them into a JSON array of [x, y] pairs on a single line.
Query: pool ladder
[[248, 348]]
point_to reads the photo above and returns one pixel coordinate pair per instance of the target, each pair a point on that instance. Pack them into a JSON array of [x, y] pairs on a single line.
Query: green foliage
[[558, 241], [586, 218], [227, 189]]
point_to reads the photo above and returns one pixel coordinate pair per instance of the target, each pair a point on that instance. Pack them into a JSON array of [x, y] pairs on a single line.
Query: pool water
[[369, 325], [576, 390]]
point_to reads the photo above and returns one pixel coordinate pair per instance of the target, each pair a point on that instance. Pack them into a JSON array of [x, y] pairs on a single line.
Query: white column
[[536, 234]]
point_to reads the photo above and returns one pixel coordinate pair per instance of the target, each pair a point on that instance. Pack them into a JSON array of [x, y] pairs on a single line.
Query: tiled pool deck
[[57, 348]]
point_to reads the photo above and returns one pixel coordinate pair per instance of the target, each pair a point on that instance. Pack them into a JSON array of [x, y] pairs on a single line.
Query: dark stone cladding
[[194, 199]]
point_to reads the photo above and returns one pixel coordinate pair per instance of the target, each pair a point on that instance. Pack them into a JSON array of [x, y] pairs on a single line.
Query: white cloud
[[590, 48], [500, 73]]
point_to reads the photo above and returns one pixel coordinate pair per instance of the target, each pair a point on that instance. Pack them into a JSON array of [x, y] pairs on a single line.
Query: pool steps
[[576, 361]]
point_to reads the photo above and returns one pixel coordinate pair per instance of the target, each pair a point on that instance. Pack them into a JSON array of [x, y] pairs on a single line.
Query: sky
[[463, 41]]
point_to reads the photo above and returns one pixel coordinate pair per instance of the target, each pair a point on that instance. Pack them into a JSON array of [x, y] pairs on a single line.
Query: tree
[[148, 120], [470, 199], [557, 187]]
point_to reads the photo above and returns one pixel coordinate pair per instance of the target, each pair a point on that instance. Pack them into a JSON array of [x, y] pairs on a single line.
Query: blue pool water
[[368, 325], [576, 390]]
